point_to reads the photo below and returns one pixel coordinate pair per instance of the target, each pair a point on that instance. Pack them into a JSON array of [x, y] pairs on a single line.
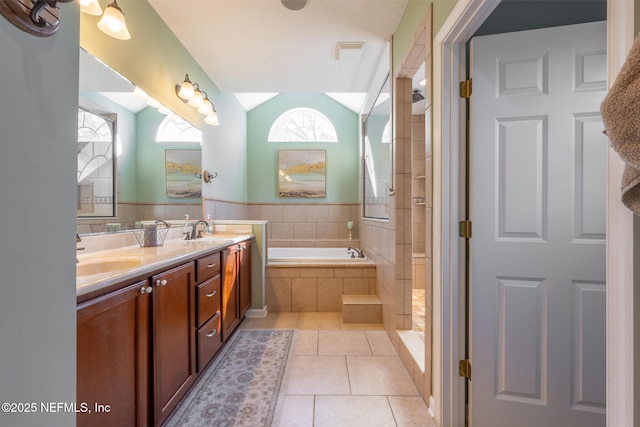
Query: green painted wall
[[150, 174], [155, 60], [343, 160], [224, 150]]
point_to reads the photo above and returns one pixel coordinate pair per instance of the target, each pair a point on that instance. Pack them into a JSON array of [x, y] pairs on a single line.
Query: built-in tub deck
[[314, 279], [313, 255]]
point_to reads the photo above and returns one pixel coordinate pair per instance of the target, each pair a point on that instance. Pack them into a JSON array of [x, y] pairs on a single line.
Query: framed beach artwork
[[302, 173], [182, 172]]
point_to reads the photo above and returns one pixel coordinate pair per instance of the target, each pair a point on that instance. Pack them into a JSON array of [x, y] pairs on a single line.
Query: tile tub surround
[[295, 287], [298, 224]]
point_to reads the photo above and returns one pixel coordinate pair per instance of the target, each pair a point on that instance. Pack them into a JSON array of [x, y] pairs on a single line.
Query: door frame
[[449, 68]]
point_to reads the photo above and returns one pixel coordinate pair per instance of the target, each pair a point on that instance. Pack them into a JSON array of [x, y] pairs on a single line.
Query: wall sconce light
[[191, 94], [112, 22], [42, 17], [91, 7]]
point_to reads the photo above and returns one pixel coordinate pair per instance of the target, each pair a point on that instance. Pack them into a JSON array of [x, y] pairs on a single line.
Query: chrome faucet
[[195, 233], [355, 251], [78, 240], [161, 221]]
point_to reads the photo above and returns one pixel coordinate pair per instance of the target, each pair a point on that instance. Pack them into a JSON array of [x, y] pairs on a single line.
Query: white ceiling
[[257, 47]]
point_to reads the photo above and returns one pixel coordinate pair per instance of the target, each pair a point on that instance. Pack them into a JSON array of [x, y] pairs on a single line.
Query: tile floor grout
[[317, 392]]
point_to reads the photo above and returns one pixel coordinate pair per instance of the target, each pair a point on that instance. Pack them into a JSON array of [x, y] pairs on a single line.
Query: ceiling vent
[[416, 96], [350, 51]]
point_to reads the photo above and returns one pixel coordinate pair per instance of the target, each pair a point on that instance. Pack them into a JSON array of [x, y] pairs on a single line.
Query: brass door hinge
[[464, 369], [465, 229], [466, 88]]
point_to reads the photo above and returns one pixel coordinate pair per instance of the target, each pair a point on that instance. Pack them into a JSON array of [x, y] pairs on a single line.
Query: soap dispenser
[[209, 224]]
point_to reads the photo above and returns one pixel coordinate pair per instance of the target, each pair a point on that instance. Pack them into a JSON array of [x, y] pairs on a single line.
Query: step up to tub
[[361, 309]]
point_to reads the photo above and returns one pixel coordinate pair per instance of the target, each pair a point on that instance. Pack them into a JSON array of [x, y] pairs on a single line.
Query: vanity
[[151, 319]]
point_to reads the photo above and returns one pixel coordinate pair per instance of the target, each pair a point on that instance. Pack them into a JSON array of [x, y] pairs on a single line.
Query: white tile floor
[[342, 375]]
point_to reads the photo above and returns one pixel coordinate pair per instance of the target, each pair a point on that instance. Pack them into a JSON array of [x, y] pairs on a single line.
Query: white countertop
[[151, 259]]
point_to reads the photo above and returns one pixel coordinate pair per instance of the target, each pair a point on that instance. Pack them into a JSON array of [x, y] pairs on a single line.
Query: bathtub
[[311, 255]]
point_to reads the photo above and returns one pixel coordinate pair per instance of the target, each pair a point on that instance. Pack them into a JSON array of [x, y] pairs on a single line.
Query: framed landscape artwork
[[301, 173], [182, 172]]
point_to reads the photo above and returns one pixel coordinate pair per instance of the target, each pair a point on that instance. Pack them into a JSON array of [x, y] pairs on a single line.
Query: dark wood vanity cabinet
[[174, 347], [113, 369], [236, 286], [230, 308], [141, 347], [208, 309]]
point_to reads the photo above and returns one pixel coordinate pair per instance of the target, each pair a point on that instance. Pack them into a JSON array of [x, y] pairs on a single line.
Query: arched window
[[302, 125], [175, 129]]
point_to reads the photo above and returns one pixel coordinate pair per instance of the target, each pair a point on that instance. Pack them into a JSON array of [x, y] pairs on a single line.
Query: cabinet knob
[[211, 294], [161, 282], [211, 265], [212, 333], [146, 290]]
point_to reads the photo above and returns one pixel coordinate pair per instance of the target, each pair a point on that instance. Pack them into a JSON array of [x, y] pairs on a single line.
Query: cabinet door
[[112, 357], [230, 308], [244, 277], [174, 337]]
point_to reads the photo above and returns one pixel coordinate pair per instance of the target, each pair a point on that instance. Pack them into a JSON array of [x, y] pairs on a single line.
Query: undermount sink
[[91, 266]]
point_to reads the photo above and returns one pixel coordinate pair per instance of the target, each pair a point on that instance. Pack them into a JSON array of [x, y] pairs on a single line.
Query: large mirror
[[96, 164], [126, 149], [377, 149]]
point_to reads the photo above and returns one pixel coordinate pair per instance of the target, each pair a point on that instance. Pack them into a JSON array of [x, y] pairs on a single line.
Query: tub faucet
[[356, 251]]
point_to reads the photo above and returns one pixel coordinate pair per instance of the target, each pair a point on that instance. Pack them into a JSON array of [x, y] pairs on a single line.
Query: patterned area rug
[[241, 386]]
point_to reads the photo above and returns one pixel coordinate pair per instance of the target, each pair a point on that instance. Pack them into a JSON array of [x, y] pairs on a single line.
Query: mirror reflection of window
[[175, 129], [377, 156], [96, 181]]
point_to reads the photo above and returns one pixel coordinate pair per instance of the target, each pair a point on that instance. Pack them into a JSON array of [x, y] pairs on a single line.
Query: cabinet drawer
[[209, 341], [208, 267], [208, 300]]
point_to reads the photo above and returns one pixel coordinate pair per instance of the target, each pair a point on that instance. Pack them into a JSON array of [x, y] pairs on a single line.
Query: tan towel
[[621, 116]]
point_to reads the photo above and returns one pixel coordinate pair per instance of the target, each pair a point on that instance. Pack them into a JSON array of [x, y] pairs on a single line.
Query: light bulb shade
[[197, 99], [212, 119], [90, 7], [153, 103], [139, 93], [113, 24], [185, 91], [206, 107]]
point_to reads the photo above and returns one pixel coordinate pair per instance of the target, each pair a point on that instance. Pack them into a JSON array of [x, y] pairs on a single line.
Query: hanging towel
[[621, 116]]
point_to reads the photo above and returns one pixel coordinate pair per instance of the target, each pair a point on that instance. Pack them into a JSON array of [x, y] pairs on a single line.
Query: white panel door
[[538, 175]]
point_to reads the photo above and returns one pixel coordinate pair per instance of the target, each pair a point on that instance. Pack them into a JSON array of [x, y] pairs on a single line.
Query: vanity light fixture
[[185, 90], [139, 93], [91, 7], [113, 23], [212, 119], [207, 105], [38, 17], [198, 98], [191, 94]]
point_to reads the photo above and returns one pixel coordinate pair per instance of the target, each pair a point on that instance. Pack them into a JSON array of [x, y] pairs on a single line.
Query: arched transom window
[[175, 129], [302, 125]]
